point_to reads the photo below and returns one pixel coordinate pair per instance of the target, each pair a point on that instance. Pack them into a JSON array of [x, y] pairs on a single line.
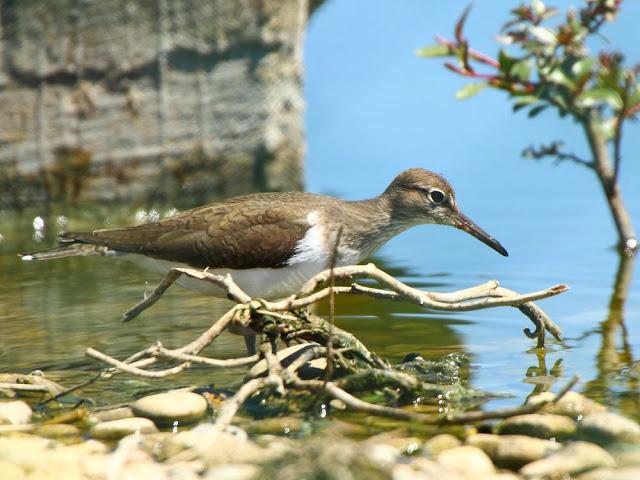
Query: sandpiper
[[272, 243]]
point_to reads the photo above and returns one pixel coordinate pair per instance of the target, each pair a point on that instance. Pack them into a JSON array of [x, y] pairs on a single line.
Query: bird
[[273, 243]]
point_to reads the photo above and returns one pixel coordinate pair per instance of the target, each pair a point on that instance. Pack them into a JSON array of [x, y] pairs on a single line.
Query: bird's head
[[418, 196]]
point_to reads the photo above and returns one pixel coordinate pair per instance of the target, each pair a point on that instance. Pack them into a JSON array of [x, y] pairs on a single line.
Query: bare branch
[[554, 150]]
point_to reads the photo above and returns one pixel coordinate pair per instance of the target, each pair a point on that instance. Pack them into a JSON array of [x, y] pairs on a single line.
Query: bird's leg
[[250, 342]]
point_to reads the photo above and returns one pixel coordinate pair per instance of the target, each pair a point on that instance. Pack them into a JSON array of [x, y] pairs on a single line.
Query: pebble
[[406, 445], [538, 425], [512, 451], [233, 471], [15, 413], [625, 454], [382, 455], [165, 409], [468, 461], [116, 429], [440, 443], [575, 458], [276, 426], [9, 471], [112, 414], [425, 468], [625, 473], [605, 428], [57, 431], [572, 404], [408, 472]]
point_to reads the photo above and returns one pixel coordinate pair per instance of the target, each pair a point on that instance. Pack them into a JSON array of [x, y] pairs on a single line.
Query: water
[[52, 311]]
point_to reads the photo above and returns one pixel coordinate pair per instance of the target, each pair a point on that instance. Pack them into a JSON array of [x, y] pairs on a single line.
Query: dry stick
[[133, 369], [213, 362], [25, 387], [231, 405]]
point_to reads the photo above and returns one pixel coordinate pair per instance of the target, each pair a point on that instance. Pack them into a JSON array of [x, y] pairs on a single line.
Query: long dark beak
[[463, 222]]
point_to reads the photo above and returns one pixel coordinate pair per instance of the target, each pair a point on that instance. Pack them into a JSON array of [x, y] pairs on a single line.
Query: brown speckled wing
[[254, 231]]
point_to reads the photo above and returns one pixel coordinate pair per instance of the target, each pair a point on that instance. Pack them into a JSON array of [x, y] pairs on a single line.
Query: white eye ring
[[437, 196]]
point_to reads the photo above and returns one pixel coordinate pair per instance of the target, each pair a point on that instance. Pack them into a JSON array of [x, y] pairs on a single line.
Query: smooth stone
[[116, 429], [276, 426], [624, 473], [605, 428], [572, 404], [468, 461], [513, 451], [167, 408], [406, 445], [538, 425], [57, 430], [576, 457], [382, 455], [112, 414], [233, 471], [625, 454], [25, 451], [15, 413], [431, 470], [8, 471], [287, 356], [440, 443], [403, 471]]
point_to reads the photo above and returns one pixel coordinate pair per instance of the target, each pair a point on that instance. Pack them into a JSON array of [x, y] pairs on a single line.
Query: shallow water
[[51, 312]]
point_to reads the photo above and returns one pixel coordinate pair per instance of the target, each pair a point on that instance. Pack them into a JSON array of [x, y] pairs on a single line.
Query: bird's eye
[[437, 196]]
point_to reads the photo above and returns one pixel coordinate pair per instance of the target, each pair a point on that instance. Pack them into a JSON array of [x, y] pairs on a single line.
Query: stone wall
[[149, 100]]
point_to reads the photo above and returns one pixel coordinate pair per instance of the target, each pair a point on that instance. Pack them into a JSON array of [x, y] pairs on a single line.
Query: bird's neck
[[370, 224]]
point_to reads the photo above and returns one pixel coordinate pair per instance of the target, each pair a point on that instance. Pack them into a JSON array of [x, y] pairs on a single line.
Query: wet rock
[[572, 404], [15, 413], [165, 409], [60, 430], [403, 471], [428, 469], [512, 451], [214, 447], [625, 454], [440, 443], [382, 455], [276, 426], [116, 429], [233, 471], [406, 445], [9, 471], [468, 461], [112, 414], [605, 428], [625, 473], [575, 458], [538, 425]]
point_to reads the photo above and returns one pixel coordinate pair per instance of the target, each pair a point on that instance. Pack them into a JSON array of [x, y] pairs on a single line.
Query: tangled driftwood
[[288, 321]]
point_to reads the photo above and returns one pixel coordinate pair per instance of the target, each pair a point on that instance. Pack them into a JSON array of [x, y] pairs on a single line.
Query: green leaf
[[438, 50], [521, 70], [557, 75], [470, 90], [582, 67], [524, 101], [598, 96], [536, 110], [505, 61], [543, 35]]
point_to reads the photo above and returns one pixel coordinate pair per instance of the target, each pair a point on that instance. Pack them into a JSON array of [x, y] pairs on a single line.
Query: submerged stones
[[116, 429], [171, 408], [538, 425]]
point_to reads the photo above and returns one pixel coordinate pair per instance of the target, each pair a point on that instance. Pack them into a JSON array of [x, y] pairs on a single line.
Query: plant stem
[[604, 169]]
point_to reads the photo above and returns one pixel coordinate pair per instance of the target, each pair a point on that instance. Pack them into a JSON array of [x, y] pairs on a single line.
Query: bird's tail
[[69, 249]]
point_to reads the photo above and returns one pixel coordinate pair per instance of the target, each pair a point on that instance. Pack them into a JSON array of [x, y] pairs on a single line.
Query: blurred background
[[118, 112]]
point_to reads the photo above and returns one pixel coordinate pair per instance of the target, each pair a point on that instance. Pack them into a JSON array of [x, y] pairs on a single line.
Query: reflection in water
[[540, 376], [615, 353]]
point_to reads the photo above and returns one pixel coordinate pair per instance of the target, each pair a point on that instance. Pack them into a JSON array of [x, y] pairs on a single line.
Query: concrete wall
[[149, 100]]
